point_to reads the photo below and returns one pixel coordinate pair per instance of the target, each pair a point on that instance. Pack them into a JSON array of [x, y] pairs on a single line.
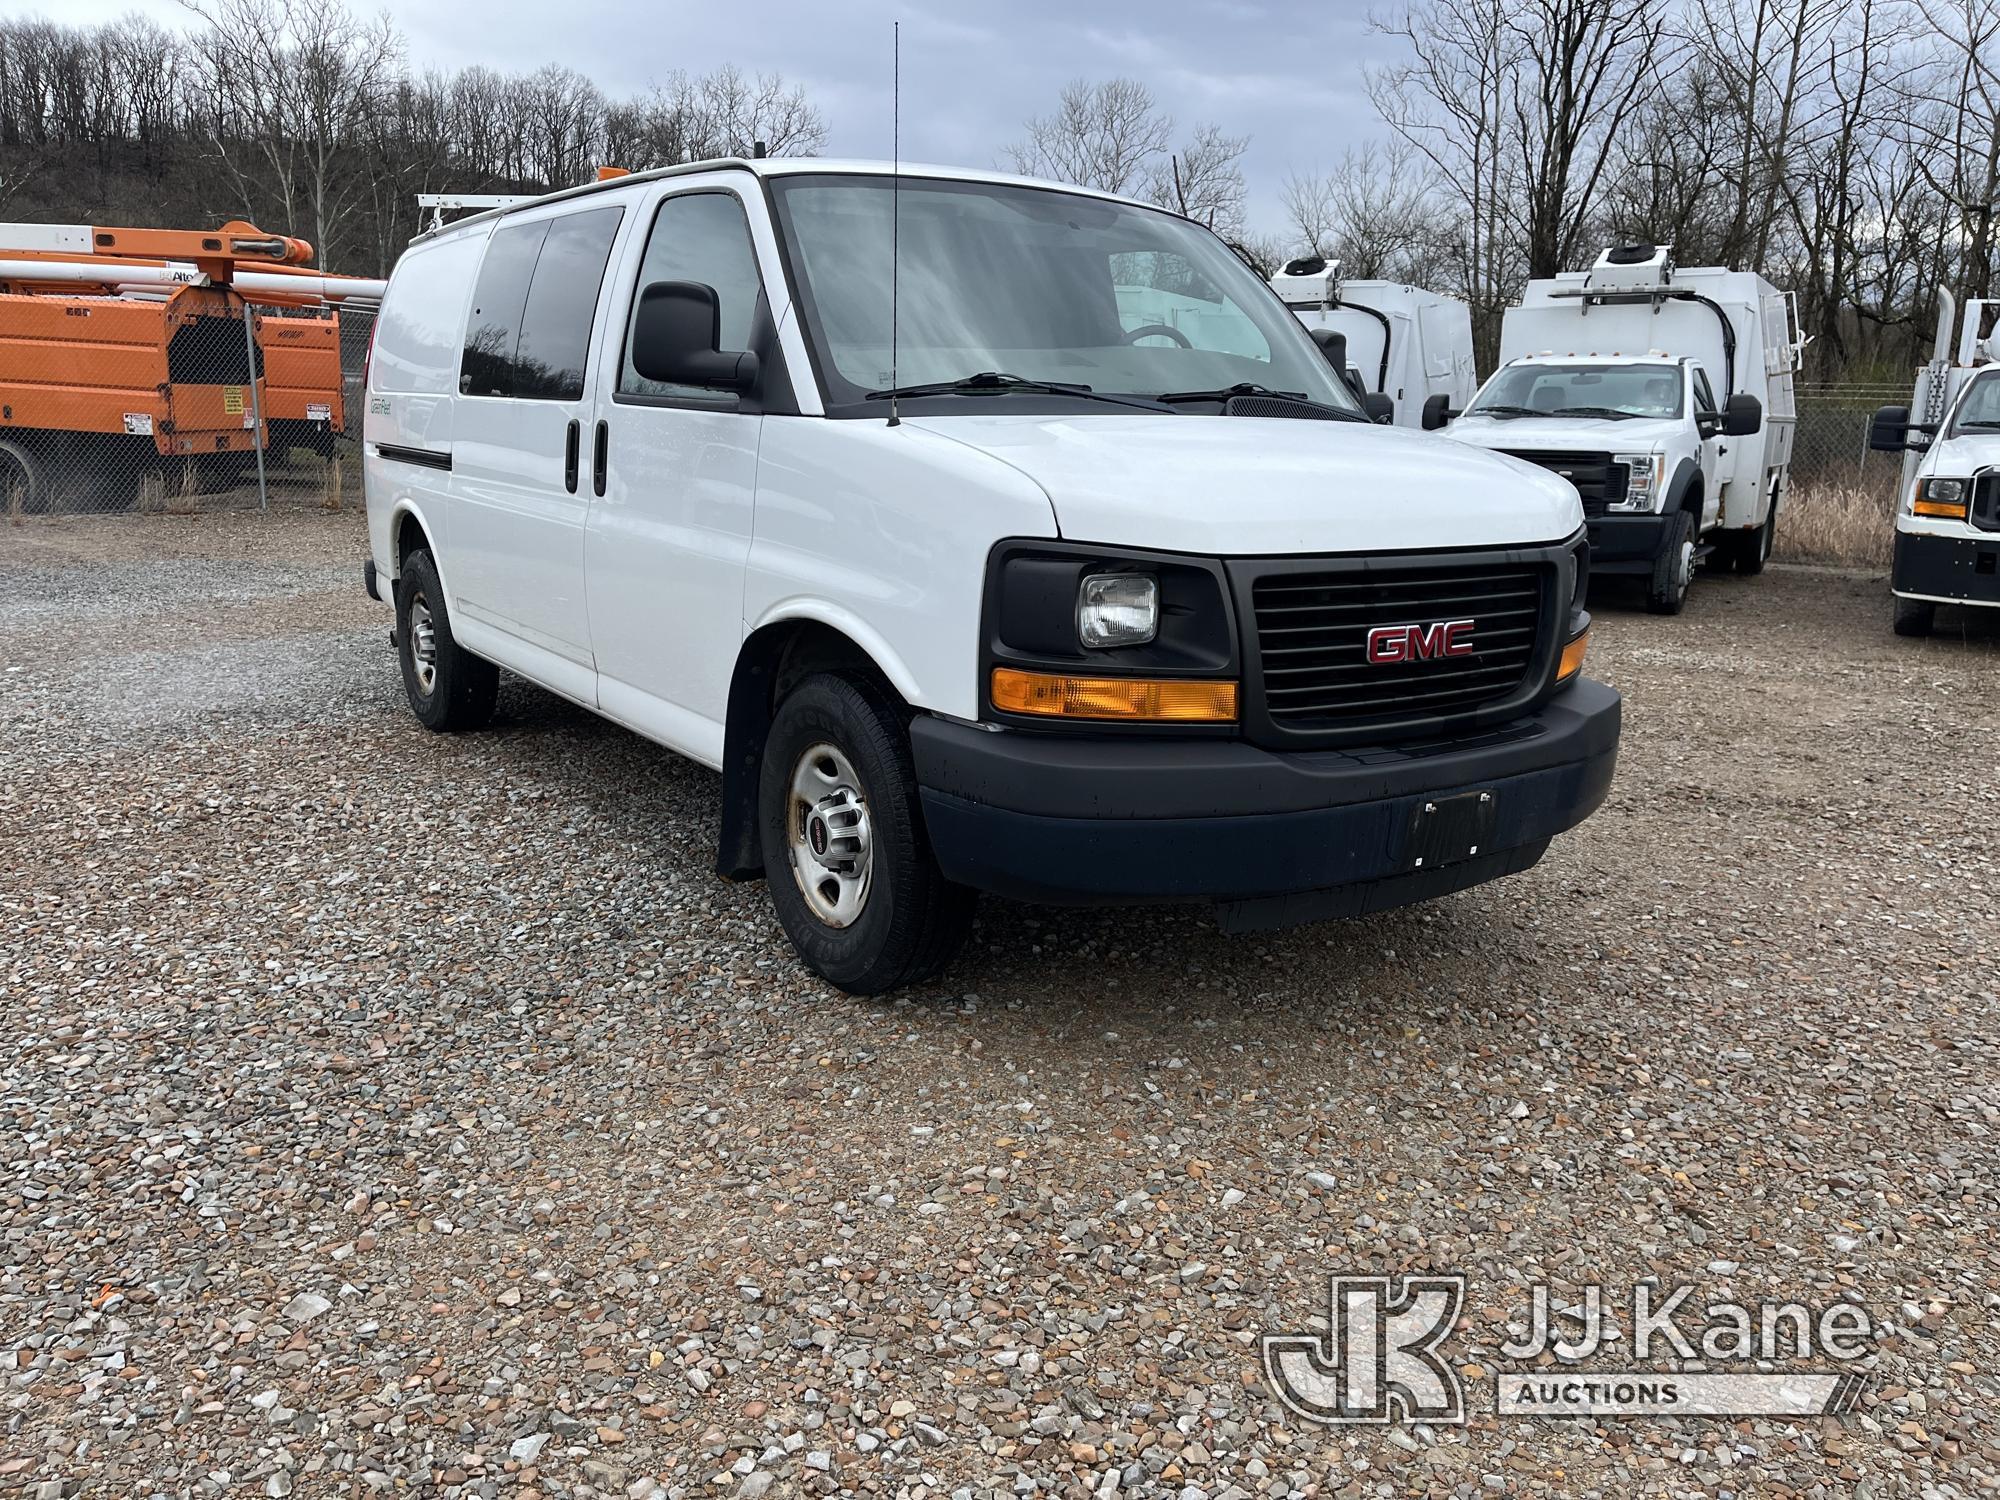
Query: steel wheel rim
[[423, 644], [1686, 579], [828, 835]]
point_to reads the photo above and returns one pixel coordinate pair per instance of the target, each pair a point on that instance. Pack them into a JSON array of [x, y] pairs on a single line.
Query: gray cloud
[[1288, 76]]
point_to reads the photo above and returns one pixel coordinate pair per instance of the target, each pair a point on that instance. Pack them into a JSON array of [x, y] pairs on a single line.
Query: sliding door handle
[[598, 457], [571, 442]]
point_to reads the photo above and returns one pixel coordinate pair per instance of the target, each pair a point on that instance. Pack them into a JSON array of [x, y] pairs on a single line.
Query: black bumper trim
[[1947, 567], [1625, 544], [1110, 821]]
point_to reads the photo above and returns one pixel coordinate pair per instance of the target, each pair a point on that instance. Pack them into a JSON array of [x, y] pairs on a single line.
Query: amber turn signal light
[[1174, 701], [1572, 657], [1944, 510]]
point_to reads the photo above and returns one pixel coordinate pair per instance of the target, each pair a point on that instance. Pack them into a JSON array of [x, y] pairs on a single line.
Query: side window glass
[[562, 304], [493, 326], [1704, 398], [702, 237]]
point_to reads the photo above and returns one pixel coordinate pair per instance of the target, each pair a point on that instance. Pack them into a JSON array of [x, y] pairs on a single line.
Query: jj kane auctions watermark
[[1382, 1357]]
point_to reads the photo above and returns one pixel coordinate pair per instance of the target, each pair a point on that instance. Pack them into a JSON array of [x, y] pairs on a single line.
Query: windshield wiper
[[997, 382], [1498, 410], [1597, 411], [1251, 388], [1982, 426]]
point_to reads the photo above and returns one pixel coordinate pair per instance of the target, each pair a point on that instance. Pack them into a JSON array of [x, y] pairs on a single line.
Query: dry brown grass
[[1831, 522]]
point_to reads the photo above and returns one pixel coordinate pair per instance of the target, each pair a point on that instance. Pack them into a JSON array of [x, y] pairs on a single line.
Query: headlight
[[1642, 483], [1117, 609], [1946, 499]]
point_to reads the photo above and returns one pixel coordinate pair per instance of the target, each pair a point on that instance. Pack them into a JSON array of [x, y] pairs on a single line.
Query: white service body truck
[[961, 573], [1401, 341], [1664, 394], [1948, 502]]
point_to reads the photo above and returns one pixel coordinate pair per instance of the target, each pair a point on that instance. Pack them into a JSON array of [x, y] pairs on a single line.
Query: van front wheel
[[845, 854]]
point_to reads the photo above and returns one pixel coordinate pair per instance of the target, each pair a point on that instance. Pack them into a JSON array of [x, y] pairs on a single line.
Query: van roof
[[780, 166]]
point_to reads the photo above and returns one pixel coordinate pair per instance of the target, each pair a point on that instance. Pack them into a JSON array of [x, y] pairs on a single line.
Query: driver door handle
[[599, 454], [571, 440]]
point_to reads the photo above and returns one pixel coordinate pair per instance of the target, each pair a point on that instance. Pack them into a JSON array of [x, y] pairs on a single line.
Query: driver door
[[1716, 468]]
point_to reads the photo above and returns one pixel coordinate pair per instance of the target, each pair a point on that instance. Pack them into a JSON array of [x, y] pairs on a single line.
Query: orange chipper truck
[[123, 352]]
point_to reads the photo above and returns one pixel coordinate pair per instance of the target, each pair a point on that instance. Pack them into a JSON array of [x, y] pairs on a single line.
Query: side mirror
[[1889, 432], [1333, 344], [1380, 406], [1437, 412], [1742, 416], [676, 337]]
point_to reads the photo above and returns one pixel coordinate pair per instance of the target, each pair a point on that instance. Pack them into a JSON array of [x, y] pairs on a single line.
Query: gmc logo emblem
[[1394, 643]]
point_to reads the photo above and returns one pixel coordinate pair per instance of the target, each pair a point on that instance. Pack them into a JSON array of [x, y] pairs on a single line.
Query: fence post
[[256, 404]]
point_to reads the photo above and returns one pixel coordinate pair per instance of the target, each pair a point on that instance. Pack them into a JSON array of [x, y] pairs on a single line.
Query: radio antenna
[[895, 203]]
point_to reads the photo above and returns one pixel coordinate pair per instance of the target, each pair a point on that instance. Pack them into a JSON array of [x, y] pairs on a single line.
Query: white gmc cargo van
[[962, 578]]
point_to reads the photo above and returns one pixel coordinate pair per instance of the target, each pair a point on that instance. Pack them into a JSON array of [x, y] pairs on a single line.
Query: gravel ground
[[382, 1112]]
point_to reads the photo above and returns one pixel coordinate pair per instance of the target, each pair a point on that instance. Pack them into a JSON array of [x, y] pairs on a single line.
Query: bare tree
[[290, 84], [1102, 135], [1373, 210]]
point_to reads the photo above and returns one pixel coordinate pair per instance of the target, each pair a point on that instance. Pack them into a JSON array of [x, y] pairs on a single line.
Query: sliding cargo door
[[520, 496]]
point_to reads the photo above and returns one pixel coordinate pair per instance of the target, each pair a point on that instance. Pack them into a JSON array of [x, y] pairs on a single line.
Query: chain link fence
[[1841, 504], [181, 401]]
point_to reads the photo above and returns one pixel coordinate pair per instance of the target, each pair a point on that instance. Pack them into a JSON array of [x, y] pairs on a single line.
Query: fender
[[407, 505], [1684, 490], [738, 853], [888, 661]]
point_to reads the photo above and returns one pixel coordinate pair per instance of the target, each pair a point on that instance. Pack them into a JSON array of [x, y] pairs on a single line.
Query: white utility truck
[[962, 575], [1664, 394], [1948, 503], [1401, 341]]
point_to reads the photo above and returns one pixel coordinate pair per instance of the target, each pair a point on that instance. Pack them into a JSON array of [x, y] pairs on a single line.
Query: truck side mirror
[[1437, 412], [1333, 344], [1380, 406], [676, 338], [1889, 432], [1742, 416]]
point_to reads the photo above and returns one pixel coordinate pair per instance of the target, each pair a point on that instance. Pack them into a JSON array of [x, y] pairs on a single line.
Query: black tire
[[1750, 550], [1915, 617], [908, 920], [1667, 589], [22, 489], [462, 688]]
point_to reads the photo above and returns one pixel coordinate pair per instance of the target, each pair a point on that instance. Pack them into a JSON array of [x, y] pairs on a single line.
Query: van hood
[[1571, 434], [1264, 486]]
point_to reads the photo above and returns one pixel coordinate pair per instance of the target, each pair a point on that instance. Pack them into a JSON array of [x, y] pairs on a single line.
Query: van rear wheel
[[448, 687], [846, 857]]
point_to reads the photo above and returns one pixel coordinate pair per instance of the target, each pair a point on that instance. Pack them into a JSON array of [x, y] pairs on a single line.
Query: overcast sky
[[1290, 77]]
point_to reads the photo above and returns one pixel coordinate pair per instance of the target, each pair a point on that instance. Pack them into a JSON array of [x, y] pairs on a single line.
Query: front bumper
[[1625, 544], [1271, 838], [1951, 569]]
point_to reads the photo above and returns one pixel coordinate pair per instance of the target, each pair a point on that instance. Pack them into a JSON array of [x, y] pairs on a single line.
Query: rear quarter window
[[421, 328]]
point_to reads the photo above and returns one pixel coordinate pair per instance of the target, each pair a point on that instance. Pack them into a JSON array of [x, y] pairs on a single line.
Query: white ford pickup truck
[[861, 489]]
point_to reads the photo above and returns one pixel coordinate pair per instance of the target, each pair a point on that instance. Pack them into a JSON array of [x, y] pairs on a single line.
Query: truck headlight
[[1117, 609], [1946, 499], [1642, 482]]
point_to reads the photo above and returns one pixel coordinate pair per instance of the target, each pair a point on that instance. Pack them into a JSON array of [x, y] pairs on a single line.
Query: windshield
[[1539, 390], [1979, 408], [1035, 284]]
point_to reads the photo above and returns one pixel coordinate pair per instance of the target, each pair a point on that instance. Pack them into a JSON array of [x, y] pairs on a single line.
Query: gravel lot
[[389, 1113]]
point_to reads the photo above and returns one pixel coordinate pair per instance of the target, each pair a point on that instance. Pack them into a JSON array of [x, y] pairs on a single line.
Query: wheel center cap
[[816, 835]]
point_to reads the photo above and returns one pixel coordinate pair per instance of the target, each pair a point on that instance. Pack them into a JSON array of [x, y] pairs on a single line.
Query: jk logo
[[1378, 1361]]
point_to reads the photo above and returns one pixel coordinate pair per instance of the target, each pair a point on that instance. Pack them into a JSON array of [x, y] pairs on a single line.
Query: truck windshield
[[1979, 408], [1551, 390], [1031, 289]]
